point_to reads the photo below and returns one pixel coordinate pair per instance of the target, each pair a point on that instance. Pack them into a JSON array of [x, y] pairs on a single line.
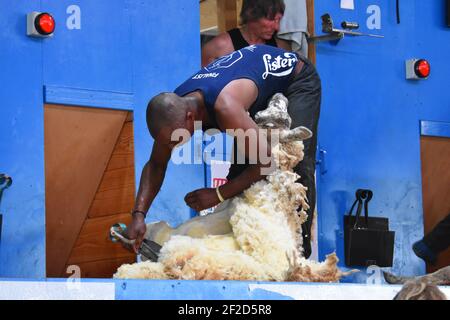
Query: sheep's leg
[[420, 290], [440, 277], [393, 279], [216, 223]]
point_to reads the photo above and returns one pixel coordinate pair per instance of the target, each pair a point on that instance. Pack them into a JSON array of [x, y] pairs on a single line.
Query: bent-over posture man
[[226, 95]]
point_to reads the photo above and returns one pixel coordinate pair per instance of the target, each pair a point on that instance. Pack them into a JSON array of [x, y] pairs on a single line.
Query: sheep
[[254, 236], [422, 287], [420, 290]]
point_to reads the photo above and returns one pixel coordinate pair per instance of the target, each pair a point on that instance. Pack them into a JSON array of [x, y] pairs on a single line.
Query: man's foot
[[424, 252]]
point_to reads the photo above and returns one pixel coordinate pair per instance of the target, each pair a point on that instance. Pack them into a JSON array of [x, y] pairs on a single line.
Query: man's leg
[[434, 242], [439, 238], [304, 96]]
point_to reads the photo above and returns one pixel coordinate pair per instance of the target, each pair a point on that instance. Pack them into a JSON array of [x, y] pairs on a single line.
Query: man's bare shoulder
[[239, 93], [217, 47], [223, 42]]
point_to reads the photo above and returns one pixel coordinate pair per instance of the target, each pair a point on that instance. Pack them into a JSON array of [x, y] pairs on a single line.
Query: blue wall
[[370, 118], [370, 121], [167, 33], [22, 247], [124, 48]]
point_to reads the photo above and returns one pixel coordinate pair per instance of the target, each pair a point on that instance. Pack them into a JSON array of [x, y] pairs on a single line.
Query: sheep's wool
[[266, 240]]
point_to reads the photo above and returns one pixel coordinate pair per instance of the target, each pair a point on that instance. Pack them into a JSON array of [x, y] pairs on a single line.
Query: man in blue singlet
[[227, 94]]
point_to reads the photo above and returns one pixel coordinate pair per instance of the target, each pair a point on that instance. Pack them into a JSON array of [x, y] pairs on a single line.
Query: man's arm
[[152, 178], [231, 113]]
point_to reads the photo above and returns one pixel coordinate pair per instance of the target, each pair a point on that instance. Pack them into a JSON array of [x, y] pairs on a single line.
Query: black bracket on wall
[[333, 34], [5, 182]]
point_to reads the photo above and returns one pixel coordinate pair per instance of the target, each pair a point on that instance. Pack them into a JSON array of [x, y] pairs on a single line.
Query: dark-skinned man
[[227, 94]]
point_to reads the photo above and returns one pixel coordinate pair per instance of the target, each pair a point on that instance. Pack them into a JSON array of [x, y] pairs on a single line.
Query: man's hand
[[137, 230], [201, 199]]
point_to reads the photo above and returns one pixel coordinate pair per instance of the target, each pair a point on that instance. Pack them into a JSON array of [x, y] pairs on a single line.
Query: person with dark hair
[[436, 241], [255, 9], [227, 94], [260, 21]]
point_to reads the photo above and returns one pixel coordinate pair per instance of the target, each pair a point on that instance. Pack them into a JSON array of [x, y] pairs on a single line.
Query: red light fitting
[[40, 24], [44, 23], [422, 68], [417, 69]]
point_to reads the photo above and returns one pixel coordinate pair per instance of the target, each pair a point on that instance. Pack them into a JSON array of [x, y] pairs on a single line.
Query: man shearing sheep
[[226, 95]]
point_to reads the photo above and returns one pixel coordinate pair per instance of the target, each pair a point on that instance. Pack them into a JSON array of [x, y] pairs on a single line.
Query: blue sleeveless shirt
[[270, 68]]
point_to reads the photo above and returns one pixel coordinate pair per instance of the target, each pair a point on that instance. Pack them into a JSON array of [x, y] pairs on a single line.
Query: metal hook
[[5, 182], [333, 34]]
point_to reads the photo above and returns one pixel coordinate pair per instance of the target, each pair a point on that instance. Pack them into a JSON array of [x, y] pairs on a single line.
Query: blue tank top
[[270, 68]]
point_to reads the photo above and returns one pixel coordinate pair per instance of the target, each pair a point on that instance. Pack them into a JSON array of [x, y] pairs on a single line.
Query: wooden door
[[89, 171], [311, 30], [435, 156]]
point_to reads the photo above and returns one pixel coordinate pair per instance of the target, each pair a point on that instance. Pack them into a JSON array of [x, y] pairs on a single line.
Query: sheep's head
[[276, 116], [287, 143]]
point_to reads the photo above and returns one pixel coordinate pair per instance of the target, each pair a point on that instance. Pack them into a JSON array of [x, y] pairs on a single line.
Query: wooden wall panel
[[238, 10], [94, 244], [113, 201], [78, 145], [94, 252], [209, 13], [123, 154], [226, 15], [116, 192], [311, 45], [435, 156]]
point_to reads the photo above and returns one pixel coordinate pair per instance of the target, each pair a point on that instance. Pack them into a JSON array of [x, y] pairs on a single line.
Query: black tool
[[398, 11], [149, 249]]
